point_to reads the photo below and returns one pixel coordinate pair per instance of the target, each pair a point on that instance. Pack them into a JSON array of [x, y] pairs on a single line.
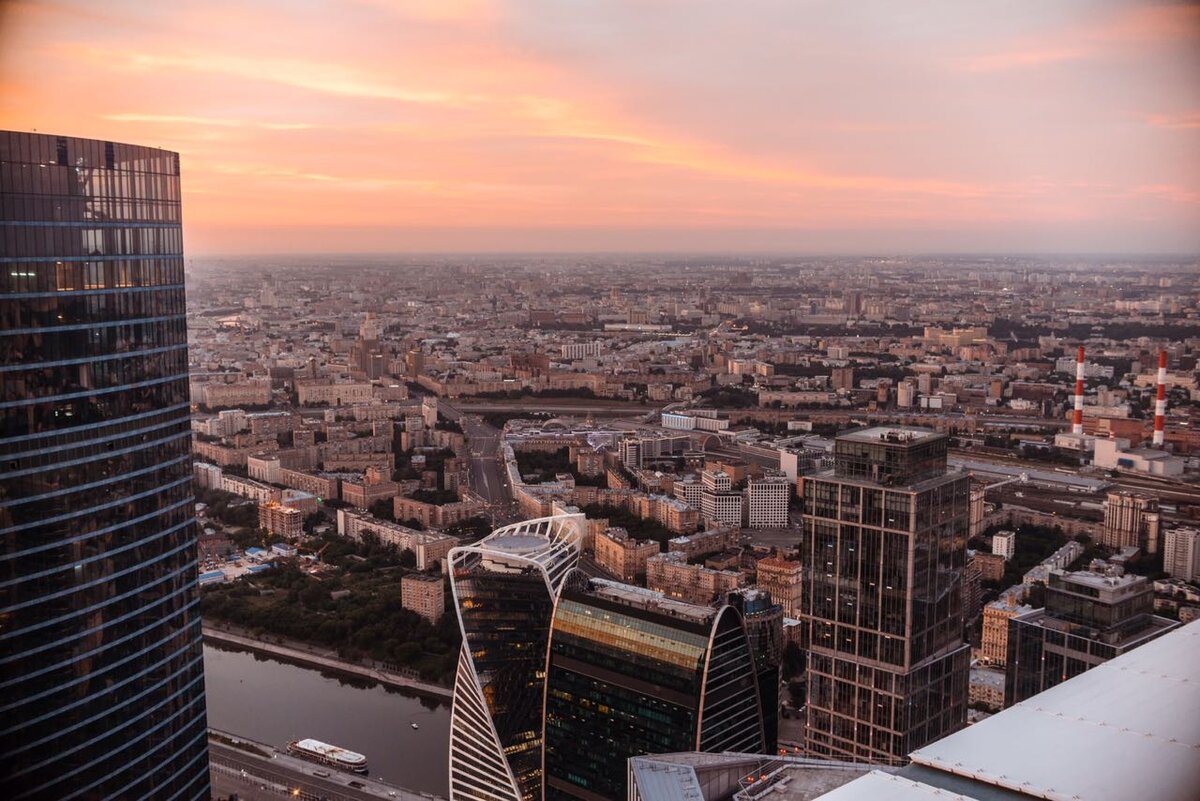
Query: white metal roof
[[879, 786], [1127, 729]]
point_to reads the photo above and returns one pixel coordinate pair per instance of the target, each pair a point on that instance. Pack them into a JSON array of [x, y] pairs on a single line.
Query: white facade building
[[767, 501], [1004, 543], [1181, 553]]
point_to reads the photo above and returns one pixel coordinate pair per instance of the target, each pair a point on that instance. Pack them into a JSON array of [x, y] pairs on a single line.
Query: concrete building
[[987, 688], [675, 578], [703, 543], [883, 544], [719, 503], [1130, 518], [623, 556], [281, 521], [330, 394], [425, 595], [994, 643], [767, 501], [580, 350], [1004, 544], [429, 547], [1119, 454], [1181, 553], [782, 579], [252, 392]]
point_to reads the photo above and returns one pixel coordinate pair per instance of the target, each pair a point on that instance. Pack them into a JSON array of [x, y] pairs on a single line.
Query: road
[[267, 778], [486, 470]]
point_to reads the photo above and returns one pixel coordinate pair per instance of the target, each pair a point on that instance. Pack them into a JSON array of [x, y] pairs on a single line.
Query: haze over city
[[376, 126]]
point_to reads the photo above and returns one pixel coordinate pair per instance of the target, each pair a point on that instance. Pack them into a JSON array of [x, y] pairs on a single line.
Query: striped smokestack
[[1077, 421], [1160, 402]]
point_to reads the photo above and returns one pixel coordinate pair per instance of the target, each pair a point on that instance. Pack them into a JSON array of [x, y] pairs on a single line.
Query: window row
[[53, 415], [61, 208], [61, 276], [37, 346], [73, 309], [54, 179], [32, 148], [56, 241]]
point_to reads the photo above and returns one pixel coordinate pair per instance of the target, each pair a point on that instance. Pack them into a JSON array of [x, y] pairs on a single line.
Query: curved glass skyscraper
[[101, 678], [504, 589], [630, 672]]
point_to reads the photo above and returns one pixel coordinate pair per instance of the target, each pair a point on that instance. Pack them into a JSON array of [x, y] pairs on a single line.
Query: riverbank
[[312, 656]]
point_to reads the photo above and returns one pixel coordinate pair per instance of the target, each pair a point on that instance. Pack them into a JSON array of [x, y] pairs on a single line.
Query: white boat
[[327, 754], [415, 726]]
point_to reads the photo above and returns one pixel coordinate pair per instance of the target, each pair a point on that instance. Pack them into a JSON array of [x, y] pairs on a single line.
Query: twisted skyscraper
[[504, 589]]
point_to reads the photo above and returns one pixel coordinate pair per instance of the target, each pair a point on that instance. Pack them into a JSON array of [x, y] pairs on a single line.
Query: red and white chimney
[[1077, 421], [1160, 402]]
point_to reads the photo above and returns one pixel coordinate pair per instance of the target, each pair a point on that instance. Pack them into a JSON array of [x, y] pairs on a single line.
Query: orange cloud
[[1183, 120], [399, 116]]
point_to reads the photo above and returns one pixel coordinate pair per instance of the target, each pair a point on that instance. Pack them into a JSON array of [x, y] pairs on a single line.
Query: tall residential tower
[[101, 675], [884, 546]]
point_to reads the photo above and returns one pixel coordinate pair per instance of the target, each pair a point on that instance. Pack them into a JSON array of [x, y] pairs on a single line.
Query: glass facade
[[504, 589], [625, 679], [101, 676], [883, 563]]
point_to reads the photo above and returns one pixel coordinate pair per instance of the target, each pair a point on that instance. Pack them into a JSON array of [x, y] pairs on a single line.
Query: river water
[[273, 702]]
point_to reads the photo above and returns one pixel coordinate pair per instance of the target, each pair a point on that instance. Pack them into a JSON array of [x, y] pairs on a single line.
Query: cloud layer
[[375, 125]]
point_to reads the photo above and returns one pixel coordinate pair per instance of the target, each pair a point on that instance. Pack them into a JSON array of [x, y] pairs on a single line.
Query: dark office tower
[[1089, 618], [629, 673], [883, 545], [101, 679]]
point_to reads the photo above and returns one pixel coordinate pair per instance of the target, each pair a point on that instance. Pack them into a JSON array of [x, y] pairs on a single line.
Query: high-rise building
[[1089, 618], [883, 544], [1130, 519], [100, 646], [504, 588], [630, 672], [1181, 553]]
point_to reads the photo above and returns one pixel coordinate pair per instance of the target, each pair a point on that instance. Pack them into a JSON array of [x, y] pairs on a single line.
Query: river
[[273, 702]]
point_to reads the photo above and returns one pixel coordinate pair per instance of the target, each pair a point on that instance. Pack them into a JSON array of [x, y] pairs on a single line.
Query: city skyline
[[483, 127]]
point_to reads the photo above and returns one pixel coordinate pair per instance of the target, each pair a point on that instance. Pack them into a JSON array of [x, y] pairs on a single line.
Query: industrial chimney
[[1077, 422], [1160, 402]]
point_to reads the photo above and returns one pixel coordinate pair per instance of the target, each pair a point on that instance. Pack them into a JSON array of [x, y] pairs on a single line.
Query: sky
[[811, 126]]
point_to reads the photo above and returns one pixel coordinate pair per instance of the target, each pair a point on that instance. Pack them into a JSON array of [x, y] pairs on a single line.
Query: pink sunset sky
[[797, 125]]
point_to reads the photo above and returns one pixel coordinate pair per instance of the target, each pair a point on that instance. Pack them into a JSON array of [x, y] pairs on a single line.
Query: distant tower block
[[1077, 421], [1160, 403]]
